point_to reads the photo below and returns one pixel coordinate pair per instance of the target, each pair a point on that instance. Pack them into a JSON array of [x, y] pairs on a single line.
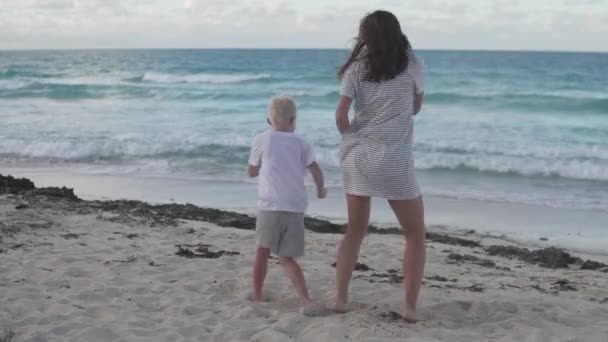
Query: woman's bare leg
[[410, 214], [348, 251]]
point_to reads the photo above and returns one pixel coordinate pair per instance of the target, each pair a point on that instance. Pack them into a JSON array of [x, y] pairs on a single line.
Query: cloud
[[55, 4], [326, 18], [584, 2], [496, 24]]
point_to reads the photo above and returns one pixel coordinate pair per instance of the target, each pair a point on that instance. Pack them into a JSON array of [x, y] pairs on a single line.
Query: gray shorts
[[282, 232]]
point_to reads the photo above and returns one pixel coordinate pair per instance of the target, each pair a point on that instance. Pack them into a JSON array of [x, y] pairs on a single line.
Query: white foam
[[525, 166], [203, 78], [136, 146]]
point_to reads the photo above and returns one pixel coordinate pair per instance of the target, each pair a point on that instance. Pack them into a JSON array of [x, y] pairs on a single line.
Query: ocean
[[517, 127]]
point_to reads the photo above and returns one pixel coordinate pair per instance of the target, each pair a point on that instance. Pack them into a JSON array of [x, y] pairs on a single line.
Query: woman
[[384, 79]]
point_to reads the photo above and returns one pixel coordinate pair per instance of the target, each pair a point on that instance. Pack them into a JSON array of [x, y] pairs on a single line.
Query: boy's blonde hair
[[281, 109]]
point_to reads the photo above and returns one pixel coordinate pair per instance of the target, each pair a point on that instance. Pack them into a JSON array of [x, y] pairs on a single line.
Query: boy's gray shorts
[[282, 232]]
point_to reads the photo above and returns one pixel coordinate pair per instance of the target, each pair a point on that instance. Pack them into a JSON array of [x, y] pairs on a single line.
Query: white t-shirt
[[283, 158]]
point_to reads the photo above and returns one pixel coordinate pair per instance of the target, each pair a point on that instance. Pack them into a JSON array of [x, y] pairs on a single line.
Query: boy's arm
[[319, 178]]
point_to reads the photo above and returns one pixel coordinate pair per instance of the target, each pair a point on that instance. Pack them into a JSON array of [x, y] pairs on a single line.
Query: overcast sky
[[437, 24]]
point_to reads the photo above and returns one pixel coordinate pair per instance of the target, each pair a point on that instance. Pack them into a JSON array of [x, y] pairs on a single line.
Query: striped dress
[[376, 154]]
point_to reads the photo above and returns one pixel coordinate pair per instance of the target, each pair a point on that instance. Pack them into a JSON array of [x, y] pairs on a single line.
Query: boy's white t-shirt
[[283, 158]]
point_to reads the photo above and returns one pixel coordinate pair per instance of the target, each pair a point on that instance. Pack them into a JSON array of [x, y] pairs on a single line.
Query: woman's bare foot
[[409, 315], [340, 307], [256, 297]]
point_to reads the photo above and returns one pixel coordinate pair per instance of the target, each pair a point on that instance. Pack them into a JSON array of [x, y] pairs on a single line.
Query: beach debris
[[12, 185], [459, 259], [191, 231], [440, 278], [70, 236], [474, 288], [202, 251], [130, 259], [7, 336], [358, 267], [57, 192], [539, 289], [362, 267], [7, 230], [594, 265], [324, 226], [128, 236], [390, 316], [550, 257], [564, 285], [430, 236], [21, 206], [391, 278], [451, 240], [604, 301], [544, 239]]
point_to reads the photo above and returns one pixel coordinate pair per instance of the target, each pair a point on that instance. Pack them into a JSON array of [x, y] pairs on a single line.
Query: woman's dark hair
[[382, 47]]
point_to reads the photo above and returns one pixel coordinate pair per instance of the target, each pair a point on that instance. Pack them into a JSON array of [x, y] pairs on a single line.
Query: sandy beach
[[77, 270]]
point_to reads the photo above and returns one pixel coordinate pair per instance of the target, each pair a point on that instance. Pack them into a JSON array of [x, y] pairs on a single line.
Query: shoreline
[[129, 270], [169, 214], [526, 224]]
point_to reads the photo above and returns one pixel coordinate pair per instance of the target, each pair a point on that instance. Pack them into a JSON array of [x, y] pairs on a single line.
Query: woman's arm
[[342, 121], [253, 171], [418, 100]]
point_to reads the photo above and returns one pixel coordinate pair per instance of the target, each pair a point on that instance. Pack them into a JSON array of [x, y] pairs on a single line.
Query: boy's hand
[[322, 193]]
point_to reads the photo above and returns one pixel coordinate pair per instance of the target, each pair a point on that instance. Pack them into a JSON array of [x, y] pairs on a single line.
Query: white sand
[[101, 286]]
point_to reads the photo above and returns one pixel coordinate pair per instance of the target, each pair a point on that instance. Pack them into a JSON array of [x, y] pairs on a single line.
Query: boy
[[280, 158]]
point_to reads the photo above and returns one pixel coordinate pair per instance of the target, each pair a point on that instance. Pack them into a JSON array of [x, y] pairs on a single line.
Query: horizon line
[[294, 49]]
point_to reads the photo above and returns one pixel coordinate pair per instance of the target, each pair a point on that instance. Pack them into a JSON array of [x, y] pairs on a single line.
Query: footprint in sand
[[267, 296]]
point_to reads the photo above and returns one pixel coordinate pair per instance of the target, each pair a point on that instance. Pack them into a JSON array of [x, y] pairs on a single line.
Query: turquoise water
[[507, 126]]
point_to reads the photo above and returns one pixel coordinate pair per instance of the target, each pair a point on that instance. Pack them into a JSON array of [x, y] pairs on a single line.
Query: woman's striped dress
[[376, 155]]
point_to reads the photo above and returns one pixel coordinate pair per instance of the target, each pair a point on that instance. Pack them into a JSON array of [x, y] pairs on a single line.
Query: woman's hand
[[343, 125], [322, 193], [342, 121], [418, 100]]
